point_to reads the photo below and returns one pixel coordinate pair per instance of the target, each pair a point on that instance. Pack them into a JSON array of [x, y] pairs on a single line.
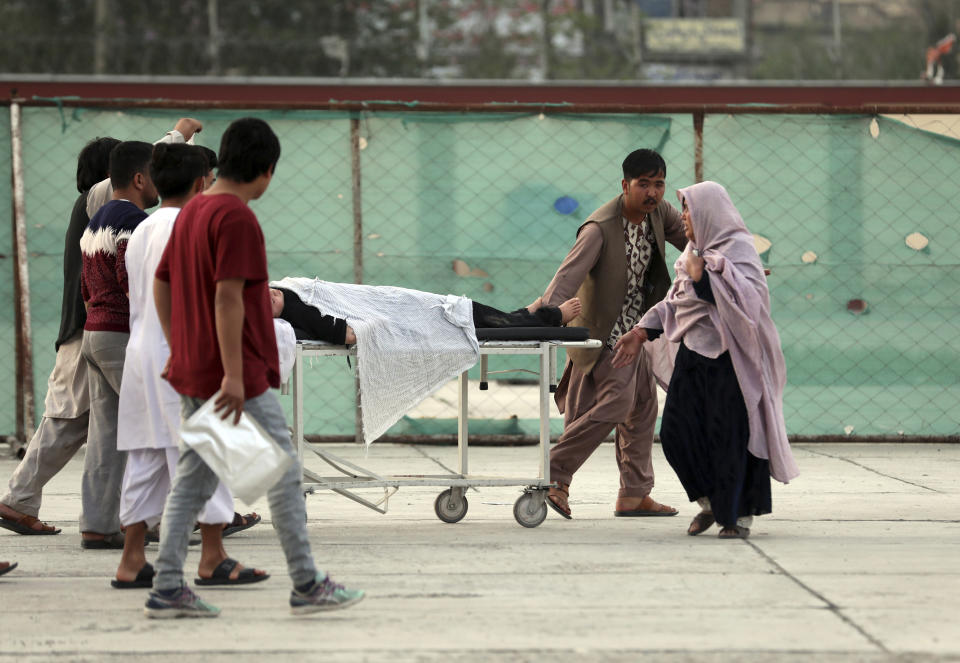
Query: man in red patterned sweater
[[104, 289]]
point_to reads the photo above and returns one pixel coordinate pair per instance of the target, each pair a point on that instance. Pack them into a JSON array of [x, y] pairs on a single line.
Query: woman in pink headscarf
[[722, 428]]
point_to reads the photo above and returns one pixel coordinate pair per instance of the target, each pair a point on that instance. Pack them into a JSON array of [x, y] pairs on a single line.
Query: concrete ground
[[860, 561]]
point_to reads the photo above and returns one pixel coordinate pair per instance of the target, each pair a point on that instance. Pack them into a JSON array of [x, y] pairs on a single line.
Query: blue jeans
[[195, 482]]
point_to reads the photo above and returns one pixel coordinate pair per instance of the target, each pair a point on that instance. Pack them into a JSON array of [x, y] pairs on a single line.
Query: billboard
[[694, 36]]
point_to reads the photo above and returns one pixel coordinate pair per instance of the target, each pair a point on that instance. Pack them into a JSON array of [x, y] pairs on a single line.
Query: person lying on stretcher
[[309, 322]]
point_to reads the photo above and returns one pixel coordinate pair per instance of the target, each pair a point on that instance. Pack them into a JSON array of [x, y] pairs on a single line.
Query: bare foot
[[569, 310], [133, 558]]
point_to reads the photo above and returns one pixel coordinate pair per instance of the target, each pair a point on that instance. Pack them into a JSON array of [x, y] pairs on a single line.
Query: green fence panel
[[487, 205]]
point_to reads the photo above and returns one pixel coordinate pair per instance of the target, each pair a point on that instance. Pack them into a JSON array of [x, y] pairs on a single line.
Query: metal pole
[[357, 200], [213, 46], [698, 146], [837, 40], [100, 14], [21, 284], [423, 28], [357, 250]]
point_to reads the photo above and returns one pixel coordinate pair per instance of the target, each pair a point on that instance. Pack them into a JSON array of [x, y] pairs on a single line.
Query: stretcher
[[451, 504]]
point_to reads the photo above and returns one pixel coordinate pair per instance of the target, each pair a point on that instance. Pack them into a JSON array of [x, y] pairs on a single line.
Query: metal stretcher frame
[[451, 505]]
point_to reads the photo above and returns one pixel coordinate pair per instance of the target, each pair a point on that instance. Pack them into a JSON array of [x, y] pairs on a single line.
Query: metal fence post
[[21, 284], [355, 178], [698, 146]]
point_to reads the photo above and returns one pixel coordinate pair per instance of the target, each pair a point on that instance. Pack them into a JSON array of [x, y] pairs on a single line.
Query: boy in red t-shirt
[[214, 305]]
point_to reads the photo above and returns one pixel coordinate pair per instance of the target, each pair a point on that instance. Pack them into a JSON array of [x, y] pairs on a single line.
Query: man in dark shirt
[[63, 427], [214, 307], [105, 335]]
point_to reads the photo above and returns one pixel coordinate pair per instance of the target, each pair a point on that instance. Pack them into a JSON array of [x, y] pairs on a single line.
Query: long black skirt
[[704, 432]]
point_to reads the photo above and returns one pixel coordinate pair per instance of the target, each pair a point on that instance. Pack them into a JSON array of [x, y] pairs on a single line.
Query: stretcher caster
[[530, 508], [451, 505]]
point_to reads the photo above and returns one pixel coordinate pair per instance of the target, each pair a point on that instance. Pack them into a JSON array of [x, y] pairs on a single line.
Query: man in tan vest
[[617, 269]]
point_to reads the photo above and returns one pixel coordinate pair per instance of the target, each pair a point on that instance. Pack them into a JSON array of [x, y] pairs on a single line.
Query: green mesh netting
[[484, 190], [825, 185]]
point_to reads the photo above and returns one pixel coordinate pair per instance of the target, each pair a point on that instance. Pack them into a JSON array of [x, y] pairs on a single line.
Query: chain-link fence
[[856, 218]]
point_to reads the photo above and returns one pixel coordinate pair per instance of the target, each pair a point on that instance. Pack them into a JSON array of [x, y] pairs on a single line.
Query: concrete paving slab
[[857, 563]]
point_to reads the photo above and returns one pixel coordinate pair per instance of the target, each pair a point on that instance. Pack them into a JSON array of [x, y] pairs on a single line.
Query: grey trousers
[[195, 482], [62, 430], [103, 465], [52, 446]]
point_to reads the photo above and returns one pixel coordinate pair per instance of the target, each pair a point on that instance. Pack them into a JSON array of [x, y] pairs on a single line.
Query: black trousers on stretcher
[[486, 317]]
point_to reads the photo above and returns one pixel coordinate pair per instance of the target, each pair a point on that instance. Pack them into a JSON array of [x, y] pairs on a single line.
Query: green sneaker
[[325, 594], [183, 603]]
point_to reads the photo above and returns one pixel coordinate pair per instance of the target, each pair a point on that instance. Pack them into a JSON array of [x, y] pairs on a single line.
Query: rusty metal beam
[[253, 92], [698, 147], [498, 107]]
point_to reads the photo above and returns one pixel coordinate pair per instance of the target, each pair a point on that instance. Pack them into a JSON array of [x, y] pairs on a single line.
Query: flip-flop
[[7, 568], [701, 523], [221, 575], [241, 523], [144, 579], [25, 525]]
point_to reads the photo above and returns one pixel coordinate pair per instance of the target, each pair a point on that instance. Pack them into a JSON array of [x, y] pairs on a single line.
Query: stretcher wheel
[[530, 510], [450, 508]]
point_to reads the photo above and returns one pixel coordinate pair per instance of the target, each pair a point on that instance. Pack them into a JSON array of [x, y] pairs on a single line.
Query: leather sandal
[[558, 499], [27, 525]]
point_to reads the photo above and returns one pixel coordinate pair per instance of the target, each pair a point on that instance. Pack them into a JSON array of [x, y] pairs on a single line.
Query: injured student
[[409, 343], [310, 324]]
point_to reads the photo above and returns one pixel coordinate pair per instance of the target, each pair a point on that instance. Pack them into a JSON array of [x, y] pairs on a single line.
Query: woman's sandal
[[735, 532], [701, 523], [557, 499]]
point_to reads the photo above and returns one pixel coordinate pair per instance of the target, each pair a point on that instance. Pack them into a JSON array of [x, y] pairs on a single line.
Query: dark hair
[[248, 149], [209, 155], [643, 162], [175, 167], [126, 160], [93, 164]]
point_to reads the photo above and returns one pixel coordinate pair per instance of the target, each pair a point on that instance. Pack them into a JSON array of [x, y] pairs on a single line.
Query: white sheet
[[409, 343], [286, 347]]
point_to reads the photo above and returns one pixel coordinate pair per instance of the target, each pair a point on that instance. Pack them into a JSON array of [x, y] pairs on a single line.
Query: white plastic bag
[[244, 456]]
